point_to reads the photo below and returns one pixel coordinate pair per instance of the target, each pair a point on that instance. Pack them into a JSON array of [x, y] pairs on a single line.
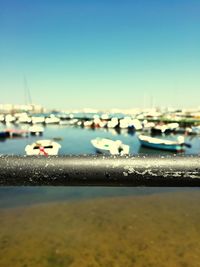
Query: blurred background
[[109, 77]]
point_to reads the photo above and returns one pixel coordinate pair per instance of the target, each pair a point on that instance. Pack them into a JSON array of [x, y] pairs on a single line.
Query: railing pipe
[[100, 171]]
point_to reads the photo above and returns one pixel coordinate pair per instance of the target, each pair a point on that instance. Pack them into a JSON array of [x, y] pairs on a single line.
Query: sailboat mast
[[28, 99]]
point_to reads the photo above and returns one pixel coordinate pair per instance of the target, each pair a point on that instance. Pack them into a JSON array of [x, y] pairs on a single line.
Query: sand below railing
[[152, 230]]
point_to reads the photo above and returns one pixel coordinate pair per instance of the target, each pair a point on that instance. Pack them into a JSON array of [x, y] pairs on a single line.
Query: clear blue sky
[[103, 54]]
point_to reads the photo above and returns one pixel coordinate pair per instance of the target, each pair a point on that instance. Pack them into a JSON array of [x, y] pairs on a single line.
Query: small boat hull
[[36, 133], [36, 130], [162, 144], [102, 151], [107, 146], [173, 148], [4, 134], [43, 148], [16, 133]]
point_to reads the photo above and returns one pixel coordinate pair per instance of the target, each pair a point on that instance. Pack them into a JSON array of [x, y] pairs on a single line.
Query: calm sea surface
[[76, 140]]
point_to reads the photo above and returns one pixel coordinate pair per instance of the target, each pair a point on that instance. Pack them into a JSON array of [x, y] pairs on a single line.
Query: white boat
[[165, 128], [124, 123], [147, 126], [104, 145], [103, 124], [136, 124], [37, 119], [36, 130], [73, 121], [195, 129], [22, 117], [89, 123], [43, 147], [128, 122], [64, 122], [2, 118], [113, 123], [52, 120], [9, 118]]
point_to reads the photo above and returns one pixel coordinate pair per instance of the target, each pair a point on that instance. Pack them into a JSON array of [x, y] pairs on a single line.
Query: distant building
[[13, 108]]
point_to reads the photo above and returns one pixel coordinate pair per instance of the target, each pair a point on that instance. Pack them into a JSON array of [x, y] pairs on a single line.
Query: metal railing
[[100, 171]]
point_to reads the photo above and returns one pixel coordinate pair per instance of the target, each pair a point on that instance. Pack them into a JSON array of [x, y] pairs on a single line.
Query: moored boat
[[2, 118], [195, 130], [109, 146], [43, 147], [164, 128], [162, 144], [38, 119], [3, 134], [16, 133], [52, 119], [36, 130], [113, 123], [88, 123], [24, 118], [9, 119]]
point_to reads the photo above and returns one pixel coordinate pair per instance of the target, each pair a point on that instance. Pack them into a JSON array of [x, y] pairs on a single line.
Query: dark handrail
[[100, 171]]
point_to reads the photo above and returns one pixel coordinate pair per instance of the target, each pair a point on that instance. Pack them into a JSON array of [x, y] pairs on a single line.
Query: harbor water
[[77, 140]]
